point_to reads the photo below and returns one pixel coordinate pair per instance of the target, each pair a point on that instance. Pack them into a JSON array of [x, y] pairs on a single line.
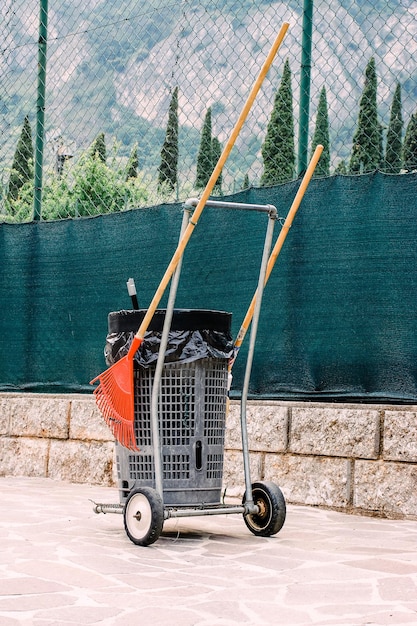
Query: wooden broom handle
[[209, 187], [281, 238]]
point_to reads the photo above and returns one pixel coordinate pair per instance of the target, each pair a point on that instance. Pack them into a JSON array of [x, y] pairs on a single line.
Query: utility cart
[[182, 375]]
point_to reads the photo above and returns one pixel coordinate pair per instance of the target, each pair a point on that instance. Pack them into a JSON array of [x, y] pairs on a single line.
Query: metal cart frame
[[263, 507]]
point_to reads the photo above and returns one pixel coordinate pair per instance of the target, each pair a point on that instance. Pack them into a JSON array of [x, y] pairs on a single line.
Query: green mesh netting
[[338, 320]]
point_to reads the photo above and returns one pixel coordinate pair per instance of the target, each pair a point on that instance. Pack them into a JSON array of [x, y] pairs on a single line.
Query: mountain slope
[[112, 66]]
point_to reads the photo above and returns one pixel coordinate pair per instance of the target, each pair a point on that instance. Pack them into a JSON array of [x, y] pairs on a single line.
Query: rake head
[[115, 400]]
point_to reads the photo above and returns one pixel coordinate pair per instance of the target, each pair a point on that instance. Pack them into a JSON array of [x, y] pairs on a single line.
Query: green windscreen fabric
[[338, 319]]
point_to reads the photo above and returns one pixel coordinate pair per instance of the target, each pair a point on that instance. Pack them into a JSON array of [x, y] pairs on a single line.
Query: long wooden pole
[[280, 241], [207, 191]]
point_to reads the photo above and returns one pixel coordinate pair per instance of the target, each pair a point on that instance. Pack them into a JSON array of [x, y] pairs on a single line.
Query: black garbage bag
[[195, 334]]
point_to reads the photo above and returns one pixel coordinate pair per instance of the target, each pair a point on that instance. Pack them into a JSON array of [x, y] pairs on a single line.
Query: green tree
[[132, 164], [98, 148], [204, 157], [367, 141], [90, 188], [341, 167], [22, 166], [278, 148], [410, 145], [168, 168], [216, 150], [246, 183], [321, 136], [393, 151]]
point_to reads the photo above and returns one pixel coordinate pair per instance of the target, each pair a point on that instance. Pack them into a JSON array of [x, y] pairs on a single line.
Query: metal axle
[[107, 508], [244, 509]]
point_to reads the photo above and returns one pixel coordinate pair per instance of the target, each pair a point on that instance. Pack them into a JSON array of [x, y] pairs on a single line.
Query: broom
[[115, 393], [277, 248]]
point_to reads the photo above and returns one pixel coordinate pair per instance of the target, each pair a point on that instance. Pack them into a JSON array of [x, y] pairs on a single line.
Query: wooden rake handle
[[208, 189], [281, 238]]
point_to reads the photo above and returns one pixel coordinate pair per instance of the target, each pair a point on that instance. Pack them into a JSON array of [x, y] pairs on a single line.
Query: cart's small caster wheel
[[143, 516], [272, 510]]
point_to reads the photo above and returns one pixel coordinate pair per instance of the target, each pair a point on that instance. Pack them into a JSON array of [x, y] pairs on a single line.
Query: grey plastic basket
[[192, 411]]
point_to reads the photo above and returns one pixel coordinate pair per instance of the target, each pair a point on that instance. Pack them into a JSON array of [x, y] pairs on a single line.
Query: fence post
[[305, 78], [40, 109]]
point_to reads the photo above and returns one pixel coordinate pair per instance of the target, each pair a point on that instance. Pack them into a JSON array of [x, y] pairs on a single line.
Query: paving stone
[[11, 621], [397, 588], [24, 601], [321, 593], [76, 614], [63, 564]]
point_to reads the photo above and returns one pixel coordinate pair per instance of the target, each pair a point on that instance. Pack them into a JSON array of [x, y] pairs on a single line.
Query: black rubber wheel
[[143, 516], [272, 510]]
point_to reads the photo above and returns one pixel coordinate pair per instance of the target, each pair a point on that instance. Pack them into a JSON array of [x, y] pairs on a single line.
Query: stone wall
[[358, 458], [60, 437]]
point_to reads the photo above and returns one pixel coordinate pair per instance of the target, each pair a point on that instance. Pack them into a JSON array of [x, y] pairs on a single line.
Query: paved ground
[[62, 564]]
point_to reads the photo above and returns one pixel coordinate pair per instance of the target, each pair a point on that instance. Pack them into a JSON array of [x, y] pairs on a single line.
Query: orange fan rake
[[115, 393], [115, 397]]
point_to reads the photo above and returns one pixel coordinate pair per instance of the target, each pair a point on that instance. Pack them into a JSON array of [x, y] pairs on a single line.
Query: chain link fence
[[138, 96]]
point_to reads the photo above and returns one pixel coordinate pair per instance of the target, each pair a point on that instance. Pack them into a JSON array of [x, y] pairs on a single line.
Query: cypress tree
[[216, 150], [278, 148], [204, 157], [367, 141], [22, 169], [132, 164], [381, 144], [341, 167], [98, 148], [410, 145], [393, 151], [246, 183], [321, 136], [168, 168]]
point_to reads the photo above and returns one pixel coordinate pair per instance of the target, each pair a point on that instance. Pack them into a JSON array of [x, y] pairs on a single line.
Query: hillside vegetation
[[112, 66]]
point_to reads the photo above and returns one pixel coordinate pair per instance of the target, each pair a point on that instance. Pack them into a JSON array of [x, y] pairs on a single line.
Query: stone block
[[81, 462], [5, 413], [386, 487], [233, 473], [86, 422], [315, 481], [39, 416], [339, 431], [21, 456], [400, 436], [267, 427]]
